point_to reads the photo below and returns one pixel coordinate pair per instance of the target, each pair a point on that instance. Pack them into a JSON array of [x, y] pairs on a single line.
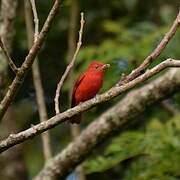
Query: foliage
[[154, 154]]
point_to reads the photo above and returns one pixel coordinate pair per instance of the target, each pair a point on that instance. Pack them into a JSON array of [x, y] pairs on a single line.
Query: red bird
[[87, 86]]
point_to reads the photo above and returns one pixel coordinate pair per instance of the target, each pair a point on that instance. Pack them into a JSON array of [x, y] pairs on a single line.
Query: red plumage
[[87, 86]]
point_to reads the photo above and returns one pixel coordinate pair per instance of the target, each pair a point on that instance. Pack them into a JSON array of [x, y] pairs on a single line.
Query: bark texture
[[7, 16], [37, 80], [12, 165], [112, 120]]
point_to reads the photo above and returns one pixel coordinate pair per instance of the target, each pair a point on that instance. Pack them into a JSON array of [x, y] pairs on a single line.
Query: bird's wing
[[79, 80]]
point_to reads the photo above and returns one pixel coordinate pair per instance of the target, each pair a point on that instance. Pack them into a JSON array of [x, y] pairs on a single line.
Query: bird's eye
[[96, 67]]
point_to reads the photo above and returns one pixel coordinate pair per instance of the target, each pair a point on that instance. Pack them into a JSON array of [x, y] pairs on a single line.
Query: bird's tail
[[76, 119]]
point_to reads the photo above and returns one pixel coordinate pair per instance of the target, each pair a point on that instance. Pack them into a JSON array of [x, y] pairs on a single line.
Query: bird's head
[[98, 66]]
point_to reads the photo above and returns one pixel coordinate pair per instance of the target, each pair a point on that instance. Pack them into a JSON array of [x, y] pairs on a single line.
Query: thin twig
[[69, 67], [157, 51], [10, 61], [23, 70], [37, 77], [14, 139], [36, 19]]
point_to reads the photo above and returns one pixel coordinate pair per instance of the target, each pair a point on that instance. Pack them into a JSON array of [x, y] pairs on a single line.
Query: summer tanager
[[87, 86]]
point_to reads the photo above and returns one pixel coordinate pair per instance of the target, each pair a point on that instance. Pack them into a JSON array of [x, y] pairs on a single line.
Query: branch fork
[[8, 57]]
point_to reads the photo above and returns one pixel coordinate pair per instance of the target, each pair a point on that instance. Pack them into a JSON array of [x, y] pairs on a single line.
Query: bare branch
[[114, 119], [7, 18], [157, 51], [36, 19], [14, 139], [37, 77], [10, 61], [69, 67], [12, 162], [18, 80]]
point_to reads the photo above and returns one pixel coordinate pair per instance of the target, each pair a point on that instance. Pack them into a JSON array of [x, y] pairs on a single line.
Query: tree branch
[[18, 80], [36, 19], [14, 139], [112, 120], [7, 17], [12, 162], [69, 67], [7, 56], [37, 76], [157, 51]]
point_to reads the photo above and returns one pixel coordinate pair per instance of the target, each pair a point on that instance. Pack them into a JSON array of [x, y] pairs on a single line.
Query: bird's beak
[[105, 66]]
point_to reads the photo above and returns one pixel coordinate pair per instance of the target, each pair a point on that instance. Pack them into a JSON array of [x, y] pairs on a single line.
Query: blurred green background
[[122, 33]]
